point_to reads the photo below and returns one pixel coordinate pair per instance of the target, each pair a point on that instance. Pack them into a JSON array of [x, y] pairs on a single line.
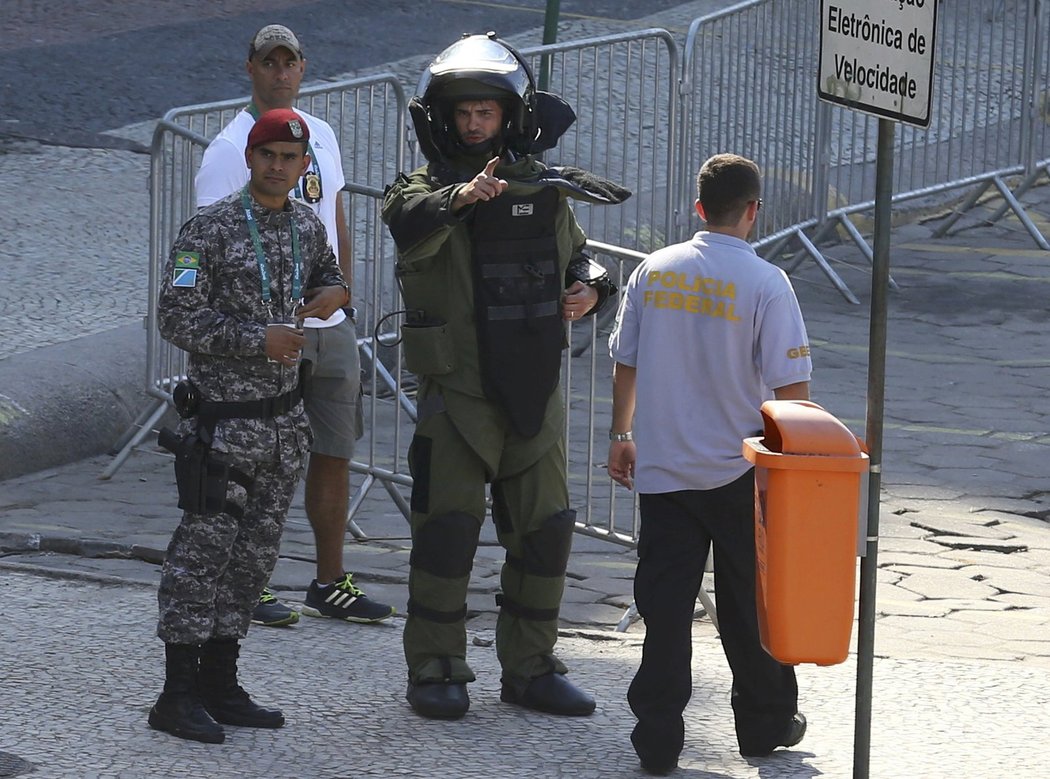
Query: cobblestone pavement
[[81, 668], [82, 267]]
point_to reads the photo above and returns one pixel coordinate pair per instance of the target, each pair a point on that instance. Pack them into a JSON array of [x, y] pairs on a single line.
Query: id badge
[[312, 187]]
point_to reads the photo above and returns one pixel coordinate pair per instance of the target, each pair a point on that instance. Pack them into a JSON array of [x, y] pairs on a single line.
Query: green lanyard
[[315, 168], [264, 270]]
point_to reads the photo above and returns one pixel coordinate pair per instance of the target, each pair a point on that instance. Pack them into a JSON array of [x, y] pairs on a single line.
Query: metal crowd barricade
[[749, 86], [390, 409], [368, 117], [622, 88], [982, 125], [1032, 89], [603, 509]]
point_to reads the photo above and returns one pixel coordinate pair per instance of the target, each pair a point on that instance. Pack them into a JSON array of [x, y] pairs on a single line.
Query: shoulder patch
[[188, 260], [184, 277]]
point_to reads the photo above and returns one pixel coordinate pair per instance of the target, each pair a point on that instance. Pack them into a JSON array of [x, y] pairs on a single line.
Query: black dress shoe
[[655, 768], [441, 700], [793, 734], [551, 693]]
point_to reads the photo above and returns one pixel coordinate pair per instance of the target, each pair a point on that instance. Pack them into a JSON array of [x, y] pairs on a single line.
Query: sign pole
[[869, 565], [550, 35], [877, 59]]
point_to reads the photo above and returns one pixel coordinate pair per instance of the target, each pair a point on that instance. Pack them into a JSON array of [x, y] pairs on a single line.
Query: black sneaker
[[344, 600], [272, 613]]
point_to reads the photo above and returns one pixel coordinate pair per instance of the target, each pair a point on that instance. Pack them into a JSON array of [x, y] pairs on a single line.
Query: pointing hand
[[484, 186]]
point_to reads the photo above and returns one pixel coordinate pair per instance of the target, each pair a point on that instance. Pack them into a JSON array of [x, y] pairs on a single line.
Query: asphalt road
[[76, 69]]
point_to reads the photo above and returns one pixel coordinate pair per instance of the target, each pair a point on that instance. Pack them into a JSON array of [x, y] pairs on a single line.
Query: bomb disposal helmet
[[479, 67]]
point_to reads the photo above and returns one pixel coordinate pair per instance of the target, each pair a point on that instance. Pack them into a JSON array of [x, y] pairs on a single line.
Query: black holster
[[202, 480]]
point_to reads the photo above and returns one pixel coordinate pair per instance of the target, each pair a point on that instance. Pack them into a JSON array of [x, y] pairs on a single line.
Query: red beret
[[279, 124]]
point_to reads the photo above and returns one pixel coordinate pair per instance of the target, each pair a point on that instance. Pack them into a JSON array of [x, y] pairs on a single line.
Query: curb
[[21, 543], [73, 575], [69, 401]]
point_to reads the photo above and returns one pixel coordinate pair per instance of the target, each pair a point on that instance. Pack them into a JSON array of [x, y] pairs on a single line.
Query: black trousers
[[677, 531]]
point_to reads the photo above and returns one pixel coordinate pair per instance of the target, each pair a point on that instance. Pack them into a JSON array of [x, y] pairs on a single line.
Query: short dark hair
[[725, 185]]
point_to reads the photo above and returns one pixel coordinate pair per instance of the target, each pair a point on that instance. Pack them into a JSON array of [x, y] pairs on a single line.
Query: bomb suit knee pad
[[442, 557], [444, 545], [545, 551], [532, 584], [533, 579], [443, 548]]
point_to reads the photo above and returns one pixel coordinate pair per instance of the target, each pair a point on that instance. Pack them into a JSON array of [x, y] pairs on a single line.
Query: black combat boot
[[178, 710], [222, 696]]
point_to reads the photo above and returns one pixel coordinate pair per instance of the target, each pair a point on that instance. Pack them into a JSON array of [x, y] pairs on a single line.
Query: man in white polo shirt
[[706, 332], [276, 67]]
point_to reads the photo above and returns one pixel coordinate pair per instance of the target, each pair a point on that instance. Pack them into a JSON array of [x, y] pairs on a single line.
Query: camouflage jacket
[[211, 305]]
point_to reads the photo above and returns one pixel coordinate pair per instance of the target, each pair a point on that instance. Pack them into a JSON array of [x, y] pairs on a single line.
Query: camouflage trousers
[[217, 564]]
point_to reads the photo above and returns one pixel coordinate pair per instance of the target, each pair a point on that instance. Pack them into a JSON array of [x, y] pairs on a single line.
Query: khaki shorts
[[333, 397]]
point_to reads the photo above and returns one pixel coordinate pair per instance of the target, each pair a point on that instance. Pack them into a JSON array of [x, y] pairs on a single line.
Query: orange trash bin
[[808, 473]]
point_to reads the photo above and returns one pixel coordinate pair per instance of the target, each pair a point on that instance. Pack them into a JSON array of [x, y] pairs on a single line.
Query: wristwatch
[[346, 288], [628, 436]]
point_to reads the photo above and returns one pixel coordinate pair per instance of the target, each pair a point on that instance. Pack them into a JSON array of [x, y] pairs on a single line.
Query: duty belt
[[264, 408]]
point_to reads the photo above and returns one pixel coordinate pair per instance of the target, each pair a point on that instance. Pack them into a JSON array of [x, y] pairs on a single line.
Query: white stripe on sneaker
[[341, 600]]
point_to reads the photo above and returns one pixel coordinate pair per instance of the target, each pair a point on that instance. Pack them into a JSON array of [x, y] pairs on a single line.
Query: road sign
[[876, 56]]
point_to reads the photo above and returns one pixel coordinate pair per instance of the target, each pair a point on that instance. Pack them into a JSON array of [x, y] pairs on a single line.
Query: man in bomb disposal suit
[[232, 296], [490, 263]]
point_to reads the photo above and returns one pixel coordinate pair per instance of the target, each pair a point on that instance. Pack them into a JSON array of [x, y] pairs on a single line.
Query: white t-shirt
[[712, 329], [223, 171]]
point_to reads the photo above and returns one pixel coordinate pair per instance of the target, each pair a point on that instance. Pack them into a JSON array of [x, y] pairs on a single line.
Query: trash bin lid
[[801, 435], [803, 427]]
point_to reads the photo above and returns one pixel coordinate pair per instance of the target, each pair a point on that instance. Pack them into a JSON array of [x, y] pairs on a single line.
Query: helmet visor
[[479, 59]]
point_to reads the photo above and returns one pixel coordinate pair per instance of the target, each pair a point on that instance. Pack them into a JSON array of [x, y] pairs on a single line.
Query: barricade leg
[[146, 421], [631, 615]]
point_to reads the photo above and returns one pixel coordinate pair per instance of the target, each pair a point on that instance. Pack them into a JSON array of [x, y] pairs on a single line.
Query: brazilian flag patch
[[187, 260]]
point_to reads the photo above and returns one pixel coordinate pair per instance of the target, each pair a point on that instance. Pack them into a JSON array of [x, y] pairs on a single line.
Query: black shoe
[[182, 715], [272, 613], [551, 693], [235, 707], [793, 734], [655, 768], [344, 600], [440, 700], [652, 762]]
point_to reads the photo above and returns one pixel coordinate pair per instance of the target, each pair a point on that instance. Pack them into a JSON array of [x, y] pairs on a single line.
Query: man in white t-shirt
[[332, 398], [706, 332]]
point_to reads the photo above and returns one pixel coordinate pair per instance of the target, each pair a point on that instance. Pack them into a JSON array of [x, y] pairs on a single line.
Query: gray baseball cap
[[270, 37]]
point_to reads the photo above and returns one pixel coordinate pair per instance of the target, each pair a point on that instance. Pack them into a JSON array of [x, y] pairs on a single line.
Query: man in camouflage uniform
[[231, 296], [491, 265]]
